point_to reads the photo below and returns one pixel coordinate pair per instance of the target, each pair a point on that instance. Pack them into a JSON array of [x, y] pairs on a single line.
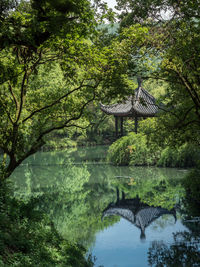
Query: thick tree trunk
[[13, 164]]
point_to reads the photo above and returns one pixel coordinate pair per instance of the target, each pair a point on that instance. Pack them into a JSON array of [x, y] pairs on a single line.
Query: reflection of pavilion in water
[[136, 212]]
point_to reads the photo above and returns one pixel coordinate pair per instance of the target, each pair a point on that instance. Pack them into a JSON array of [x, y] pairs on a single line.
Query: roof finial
[[139, 80]]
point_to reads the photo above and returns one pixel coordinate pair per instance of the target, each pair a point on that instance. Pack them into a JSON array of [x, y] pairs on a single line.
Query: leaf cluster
[[28, 238]]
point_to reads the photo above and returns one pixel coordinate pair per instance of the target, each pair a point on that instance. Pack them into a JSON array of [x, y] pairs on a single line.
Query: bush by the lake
[[28, 238], [133, 149], [186, 155]]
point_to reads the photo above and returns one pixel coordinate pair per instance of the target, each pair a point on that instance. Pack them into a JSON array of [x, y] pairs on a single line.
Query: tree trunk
[[13, 164]]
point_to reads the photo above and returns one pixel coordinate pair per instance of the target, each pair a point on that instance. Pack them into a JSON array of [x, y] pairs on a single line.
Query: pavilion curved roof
[[141, 218], [138, 213], [142, 104], [124, 212]]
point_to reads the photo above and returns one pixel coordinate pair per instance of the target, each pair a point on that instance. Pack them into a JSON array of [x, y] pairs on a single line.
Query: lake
[[123, 216]]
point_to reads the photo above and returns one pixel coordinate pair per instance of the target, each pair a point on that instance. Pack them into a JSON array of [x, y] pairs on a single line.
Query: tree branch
[[21, 96], [37, 62], [56, 101], [5, 109], [192, 92], [188, 123], [13, 96], [65, 124]]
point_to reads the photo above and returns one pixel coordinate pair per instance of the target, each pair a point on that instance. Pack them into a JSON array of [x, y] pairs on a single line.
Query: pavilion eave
[[140, 105]]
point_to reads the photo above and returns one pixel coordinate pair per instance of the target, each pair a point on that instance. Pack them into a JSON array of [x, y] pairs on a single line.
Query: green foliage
[[157, 88], [28, 238], [118, 152], [169, 55], [191, 184], [141, 149], [186, 155], [33, 23], [134, 150], [58, 143], [53, 65]]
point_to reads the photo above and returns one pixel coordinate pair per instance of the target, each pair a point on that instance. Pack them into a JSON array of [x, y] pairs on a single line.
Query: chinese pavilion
[[142, 104]]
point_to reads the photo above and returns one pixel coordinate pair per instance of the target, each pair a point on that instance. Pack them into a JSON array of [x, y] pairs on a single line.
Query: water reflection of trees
[[74, 195], [154, 186], [70, 194], [184, 251]]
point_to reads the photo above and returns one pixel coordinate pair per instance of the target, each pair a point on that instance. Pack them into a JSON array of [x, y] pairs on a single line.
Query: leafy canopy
[[50, 74]]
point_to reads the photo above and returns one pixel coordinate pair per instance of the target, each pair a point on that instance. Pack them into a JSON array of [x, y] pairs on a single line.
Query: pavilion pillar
[[116, 126], [123, 195], [136, 124], [117, 189], [121, 126]]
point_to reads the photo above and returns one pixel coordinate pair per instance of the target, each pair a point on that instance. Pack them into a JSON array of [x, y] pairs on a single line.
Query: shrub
[[133, 149], [186, 155], [136, 149]]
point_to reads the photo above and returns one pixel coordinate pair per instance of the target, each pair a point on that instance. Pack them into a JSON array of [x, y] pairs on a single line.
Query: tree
[[49, 74], [170, 52], [133, 11]]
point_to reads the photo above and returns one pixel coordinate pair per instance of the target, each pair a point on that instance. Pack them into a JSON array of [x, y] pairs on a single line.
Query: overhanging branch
[[66, 123], [13, 96], [22, 93], [7, 112], [58, 100]]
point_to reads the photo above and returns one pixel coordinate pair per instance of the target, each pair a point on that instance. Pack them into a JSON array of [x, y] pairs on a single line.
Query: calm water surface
[[124, 216]]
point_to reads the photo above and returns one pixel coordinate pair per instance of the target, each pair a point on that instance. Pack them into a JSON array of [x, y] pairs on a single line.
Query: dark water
[[124, 216]]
